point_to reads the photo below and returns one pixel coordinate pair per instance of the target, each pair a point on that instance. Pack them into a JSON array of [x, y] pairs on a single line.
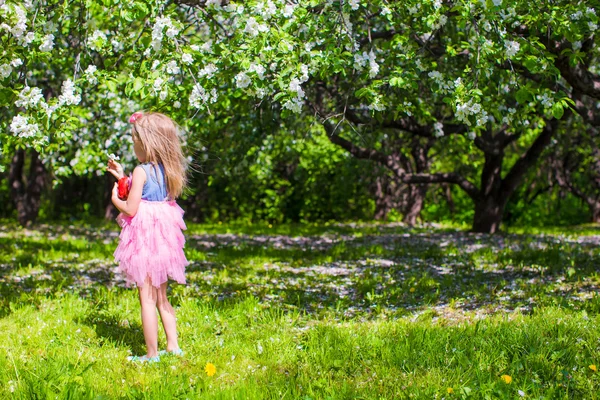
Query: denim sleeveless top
[[155, 188]]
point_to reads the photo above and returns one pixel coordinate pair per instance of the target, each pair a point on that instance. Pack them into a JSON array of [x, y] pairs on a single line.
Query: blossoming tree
[[481, 78]]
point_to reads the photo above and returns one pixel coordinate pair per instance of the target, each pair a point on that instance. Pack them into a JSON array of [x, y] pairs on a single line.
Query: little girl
[[151, 242]]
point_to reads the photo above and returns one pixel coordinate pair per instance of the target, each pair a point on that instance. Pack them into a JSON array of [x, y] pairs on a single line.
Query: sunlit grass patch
[[339, 312]]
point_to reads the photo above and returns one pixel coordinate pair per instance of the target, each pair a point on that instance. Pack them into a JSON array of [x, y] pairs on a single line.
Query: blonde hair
[[160, 140]]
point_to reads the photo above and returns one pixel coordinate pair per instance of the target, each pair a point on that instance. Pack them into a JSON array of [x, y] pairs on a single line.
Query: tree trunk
[[412, 211], [448, 195], [388, 195], [27, 192], [110, 211], [595, 209], [488, 214]]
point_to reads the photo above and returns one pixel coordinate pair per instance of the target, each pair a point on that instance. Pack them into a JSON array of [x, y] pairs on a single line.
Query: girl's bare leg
[[167, 315], [148, 300]]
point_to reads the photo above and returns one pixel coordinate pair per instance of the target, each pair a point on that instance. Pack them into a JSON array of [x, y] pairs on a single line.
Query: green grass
[[311, 312]]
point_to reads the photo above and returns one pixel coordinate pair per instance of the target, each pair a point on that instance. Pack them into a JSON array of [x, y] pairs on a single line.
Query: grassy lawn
[[314, 312]]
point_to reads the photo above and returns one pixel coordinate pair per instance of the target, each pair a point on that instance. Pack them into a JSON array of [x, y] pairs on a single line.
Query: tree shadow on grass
[[110, 328], [351, 272]]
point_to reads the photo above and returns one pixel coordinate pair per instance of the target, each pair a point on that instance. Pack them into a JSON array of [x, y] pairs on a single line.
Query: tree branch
[[518, 170]]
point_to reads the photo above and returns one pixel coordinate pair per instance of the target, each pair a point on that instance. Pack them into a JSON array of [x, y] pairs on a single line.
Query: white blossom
[[354, 4], [266, 10], [47, 43], [164, 93], [288, 10], [187, 58], [259, 69], [373, 66], [512, 48], [253, 27], [21, 127], [68, 95], [207, 46], [208, 71], [29, 97], [21, 25], [172, 67], [296, 88], [90, 74], [198, 96], [545, 100], [242, 80], [5, 70], [214, 3], [593, 27], [470, 108], [158, 82], [438, 129], [576, 16], [304, 70], [117, 46], [377, 105], [385, 10], [294, 105], [157, 31], [96, 40], [48, 109], [471, 135], [177, 104], [17, 62], [497, 3], [414, 9]]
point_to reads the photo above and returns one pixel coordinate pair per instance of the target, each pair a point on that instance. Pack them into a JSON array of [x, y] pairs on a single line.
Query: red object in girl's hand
[[124, 188]]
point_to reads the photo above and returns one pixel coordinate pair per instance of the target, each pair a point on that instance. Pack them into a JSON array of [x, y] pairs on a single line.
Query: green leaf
[[138, 83], [523, 95], [558, 110]]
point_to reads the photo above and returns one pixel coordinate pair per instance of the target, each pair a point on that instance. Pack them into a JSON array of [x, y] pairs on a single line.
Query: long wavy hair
[[160, 140]]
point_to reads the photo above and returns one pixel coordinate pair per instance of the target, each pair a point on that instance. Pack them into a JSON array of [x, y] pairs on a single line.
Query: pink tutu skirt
[[151, 244]]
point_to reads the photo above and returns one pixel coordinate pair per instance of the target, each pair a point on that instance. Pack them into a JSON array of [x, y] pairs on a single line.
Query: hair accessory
[[134, 117]]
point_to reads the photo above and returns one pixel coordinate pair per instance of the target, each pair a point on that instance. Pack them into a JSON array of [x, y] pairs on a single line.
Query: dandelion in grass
[[594, 368], [412, 290], [506, 379], [210, 369], [450, 390]]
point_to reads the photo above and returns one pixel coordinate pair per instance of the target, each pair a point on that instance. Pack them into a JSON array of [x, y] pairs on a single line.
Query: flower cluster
[[200, 96], [19, 28], [29, 97], [361, 60], [295, 104], [5, 70], [266, 10], [512, 48], [90, 74], [471, 108], [47, 43], [21, 127], [157, 31], [68, 95], [253, 28], [96, 40]]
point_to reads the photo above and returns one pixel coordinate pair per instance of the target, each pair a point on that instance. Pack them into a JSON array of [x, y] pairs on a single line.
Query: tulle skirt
[[151, 244]]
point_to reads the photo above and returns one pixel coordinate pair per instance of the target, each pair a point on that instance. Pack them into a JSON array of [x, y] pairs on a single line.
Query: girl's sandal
[[143, 359], [176, 352]]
